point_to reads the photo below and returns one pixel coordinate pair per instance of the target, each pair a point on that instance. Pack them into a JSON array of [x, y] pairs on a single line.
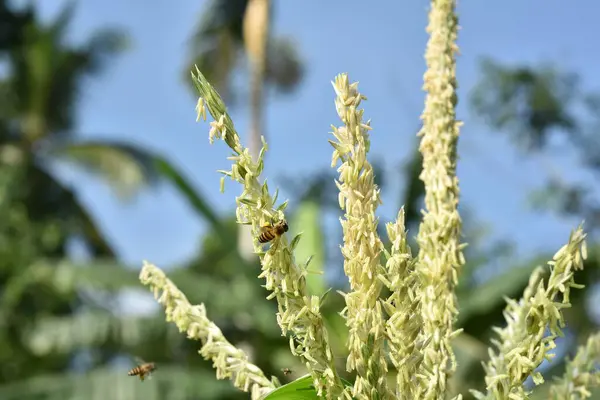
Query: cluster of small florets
[[228, 361], [414, 324]]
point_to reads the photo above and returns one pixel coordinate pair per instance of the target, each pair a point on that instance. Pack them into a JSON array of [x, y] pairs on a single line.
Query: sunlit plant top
[[413, 327]]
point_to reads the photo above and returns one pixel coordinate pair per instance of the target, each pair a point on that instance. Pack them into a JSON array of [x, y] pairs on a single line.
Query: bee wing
[[138, 360]]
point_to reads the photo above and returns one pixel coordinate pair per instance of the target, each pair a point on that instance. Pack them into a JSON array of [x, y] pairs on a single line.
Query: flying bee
[[270, 232], [142, 370], [286, 371]]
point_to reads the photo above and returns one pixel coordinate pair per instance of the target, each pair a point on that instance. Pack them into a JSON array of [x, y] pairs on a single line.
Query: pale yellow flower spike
[[298, 313], [359, 198], [440, 252], [523, 344], [404, 323], [229, 361], [581, 375]]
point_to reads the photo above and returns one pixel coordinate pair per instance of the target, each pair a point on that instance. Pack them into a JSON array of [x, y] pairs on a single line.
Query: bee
[[286, 371], [142, 370], [270, 232]]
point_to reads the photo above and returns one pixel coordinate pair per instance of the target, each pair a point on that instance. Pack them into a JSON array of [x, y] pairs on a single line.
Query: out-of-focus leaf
[[66, 277], [196, 200], [307, 219], [46, 74], [532, 103], [169, 381], [129, 167], [237, 298], [320, 186], [284, 67], [469, 352], [88, 229], [483, 299], [336, 326], [64, 335], [125, 166], [13, 23], [104, 45], [216, 45], [216, 58], [414, 189]]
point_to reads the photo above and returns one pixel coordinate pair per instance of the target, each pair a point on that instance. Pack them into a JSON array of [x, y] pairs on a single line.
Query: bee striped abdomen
[[142, 370], [270, 232], [266, 236]]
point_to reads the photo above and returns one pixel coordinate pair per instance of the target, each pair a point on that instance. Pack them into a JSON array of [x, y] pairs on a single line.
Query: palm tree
[[44, 297], [37, 113], [226, 28]]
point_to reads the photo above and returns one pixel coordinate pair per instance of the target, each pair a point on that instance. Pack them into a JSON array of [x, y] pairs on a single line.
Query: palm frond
[[217, 43], [46, 74], [125, 166], [194, 197], [216, 56], [221, 15], [103, 45], [13, 21], [67, 277], [88, 230], [285, 69], [131, 167]]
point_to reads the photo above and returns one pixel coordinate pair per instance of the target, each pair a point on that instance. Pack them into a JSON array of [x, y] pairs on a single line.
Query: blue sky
[[142, 98]]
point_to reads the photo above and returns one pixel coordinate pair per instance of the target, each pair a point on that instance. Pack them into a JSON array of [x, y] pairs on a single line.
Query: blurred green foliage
[[546, 110], [62, 330]]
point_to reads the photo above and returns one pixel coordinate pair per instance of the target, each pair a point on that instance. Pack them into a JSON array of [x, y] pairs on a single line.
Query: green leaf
[[529, 103], [346, 383], [89, 230], [66, 277], [307, 219], [247, 202], [295, 241], [284, 69], [195, 199], [63, 335], [282, 206], [414, 190], [130, 167], [169, 382], [491, 295], [127, 167], [300, 389]]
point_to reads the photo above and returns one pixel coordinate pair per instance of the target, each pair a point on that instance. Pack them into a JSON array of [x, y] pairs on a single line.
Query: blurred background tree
[[547, 113], [63, 331]]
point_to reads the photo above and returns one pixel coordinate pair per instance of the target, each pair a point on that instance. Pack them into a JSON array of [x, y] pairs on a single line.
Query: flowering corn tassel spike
[[298, 313], [582, 373], [359, 198], [523, 344], [229, 361], [440, 252], [404, 322]]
